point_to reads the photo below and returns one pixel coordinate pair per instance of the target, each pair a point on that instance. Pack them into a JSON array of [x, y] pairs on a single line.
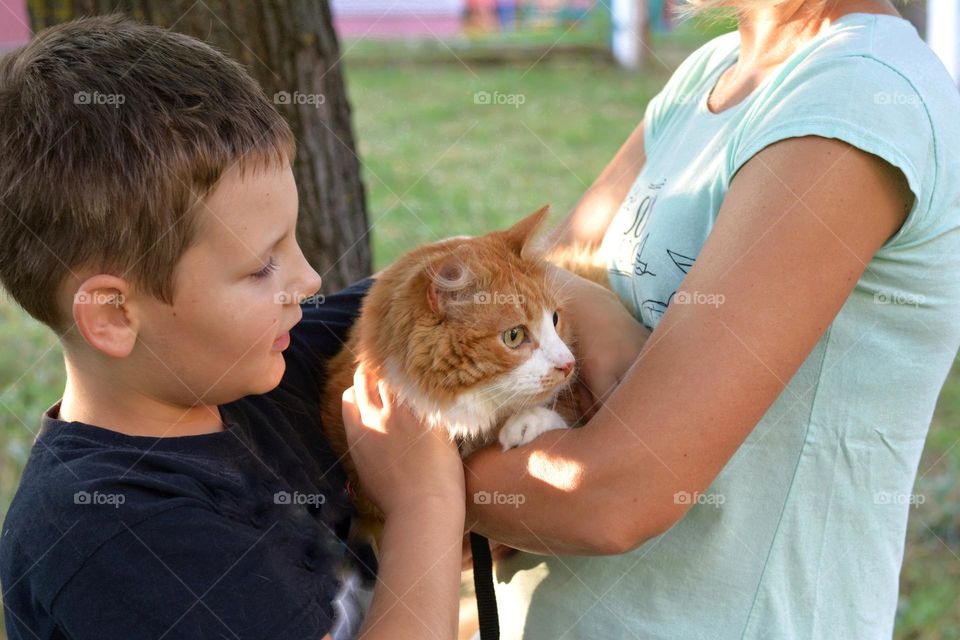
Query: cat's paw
[[525, 426]]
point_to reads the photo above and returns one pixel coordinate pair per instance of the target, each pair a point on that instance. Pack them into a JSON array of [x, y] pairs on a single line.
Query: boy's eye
[[268, 268]]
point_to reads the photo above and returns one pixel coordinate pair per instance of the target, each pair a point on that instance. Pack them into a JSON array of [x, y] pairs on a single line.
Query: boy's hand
[[401, 462]]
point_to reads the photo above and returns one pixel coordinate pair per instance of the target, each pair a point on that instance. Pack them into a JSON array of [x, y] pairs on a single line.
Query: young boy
[[181, 488]]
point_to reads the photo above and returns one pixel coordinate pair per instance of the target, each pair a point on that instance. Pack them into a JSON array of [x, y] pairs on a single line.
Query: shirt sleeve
[[859, 100], [319, 336], [193, 573]]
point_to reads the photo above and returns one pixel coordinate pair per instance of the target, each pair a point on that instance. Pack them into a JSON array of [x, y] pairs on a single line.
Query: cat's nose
[[565, 367]]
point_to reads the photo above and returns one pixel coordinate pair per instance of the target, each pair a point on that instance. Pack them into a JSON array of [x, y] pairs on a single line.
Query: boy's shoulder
[[98, 510], [83, 485]]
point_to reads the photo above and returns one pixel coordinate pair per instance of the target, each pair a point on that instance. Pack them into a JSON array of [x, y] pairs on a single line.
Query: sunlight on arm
[[565, 475]]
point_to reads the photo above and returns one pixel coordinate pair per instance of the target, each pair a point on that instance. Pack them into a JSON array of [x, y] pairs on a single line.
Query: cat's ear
[[447, 281], [519, 237]]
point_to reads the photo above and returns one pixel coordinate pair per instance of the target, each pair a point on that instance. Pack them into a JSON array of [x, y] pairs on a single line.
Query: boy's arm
[[417, 583]]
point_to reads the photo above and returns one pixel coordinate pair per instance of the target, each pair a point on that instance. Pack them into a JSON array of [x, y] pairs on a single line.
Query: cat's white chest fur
[[474, 416]]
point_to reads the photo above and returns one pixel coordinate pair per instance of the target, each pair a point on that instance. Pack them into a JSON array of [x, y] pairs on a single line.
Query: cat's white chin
[[474, 416]]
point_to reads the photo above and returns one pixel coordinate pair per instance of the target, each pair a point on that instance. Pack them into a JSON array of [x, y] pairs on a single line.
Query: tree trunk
[[290, 47]]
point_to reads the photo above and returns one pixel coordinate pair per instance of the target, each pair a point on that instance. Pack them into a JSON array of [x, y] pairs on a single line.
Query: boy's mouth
[[283, 341]]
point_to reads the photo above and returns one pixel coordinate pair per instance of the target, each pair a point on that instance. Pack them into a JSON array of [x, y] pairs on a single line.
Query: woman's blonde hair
[[692, 8]]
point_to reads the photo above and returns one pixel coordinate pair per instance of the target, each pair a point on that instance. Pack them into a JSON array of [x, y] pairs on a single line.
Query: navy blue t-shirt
[[234, 534]]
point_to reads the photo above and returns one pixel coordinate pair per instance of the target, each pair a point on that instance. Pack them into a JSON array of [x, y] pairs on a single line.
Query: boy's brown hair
[[111, 133]]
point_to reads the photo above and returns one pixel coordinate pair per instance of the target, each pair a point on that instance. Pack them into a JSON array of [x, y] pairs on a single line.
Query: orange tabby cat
[[469, 333]]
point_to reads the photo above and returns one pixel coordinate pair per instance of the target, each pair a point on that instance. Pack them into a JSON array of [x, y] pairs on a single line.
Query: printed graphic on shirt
[[683, 262], [634, 244], [628, 254], [651, 310]]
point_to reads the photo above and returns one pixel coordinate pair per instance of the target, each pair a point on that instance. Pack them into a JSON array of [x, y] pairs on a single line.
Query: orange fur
[[434, 320]]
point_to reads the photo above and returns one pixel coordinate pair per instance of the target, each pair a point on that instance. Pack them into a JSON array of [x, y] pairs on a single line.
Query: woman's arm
[[798, 226], [588, 221], [416, 477]]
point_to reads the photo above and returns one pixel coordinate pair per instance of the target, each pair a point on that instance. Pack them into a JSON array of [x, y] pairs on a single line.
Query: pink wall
[[14, 25], [397, 26]]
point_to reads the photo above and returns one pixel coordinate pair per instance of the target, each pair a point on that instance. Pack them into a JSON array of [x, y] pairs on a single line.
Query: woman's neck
[[769, 35]]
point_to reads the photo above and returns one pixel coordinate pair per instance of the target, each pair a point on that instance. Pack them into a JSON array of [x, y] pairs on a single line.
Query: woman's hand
[[609, 338], [400, 461]]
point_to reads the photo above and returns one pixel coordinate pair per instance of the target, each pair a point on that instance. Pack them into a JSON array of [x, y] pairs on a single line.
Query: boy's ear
[[519, 237], [102, 316]]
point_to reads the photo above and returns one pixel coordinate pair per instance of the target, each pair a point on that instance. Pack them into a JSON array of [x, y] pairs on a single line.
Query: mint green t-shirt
[[802, 533]]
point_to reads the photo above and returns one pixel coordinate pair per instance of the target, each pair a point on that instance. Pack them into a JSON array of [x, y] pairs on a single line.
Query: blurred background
[[445, 117]]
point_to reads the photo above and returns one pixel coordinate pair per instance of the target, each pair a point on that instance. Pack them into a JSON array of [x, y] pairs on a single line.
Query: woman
[[786, 221]]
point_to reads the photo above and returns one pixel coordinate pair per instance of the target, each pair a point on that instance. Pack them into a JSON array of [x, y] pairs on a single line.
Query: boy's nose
[[312, 284]]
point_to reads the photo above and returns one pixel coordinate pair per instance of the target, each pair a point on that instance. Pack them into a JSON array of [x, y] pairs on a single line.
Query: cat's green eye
[[513, 338]]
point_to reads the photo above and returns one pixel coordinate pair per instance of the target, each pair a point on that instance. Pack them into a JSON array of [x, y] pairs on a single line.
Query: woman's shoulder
[[872, 73], [867, 49], [872, 82]]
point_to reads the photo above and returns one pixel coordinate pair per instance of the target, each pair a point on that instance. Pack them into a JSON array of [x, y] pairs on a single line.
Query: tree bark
[[291, 49]]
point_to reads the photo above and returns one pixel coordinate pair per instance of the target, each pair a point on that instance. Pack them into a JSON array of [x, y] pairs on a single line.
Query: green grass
[[445, 165], [438, 164]]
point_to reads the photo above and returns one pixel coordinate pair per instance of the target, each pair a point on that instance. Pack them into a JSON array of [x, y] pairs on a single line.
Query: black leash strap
[[483, 585]]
